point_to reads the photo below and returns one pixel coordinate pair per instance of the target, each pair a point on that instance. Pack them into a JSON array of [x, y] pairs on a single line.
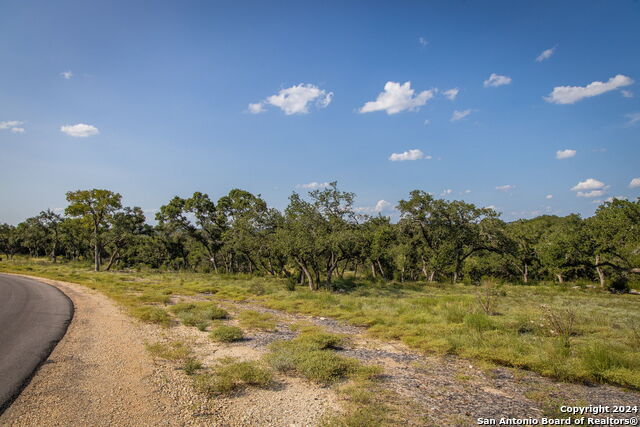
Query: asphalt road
[[33, 317]]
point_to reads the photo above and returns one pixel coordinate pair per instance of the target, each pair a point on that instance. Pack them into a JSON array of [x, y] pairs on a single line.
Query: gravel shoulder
[[100, 374]]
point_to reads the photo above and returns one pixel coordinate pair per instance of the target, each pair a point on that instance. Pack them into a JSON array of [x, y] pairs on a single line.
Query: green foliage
[[151, 314], [310, 356], [230, 376], [174, 350], [191, 366], [251, 319], [198, 314], [224, 333]]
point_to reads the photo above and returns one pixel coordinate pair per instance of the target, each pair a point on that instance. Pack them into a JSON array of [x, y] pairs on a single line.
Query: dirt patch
[[100, 374], [449, 390]]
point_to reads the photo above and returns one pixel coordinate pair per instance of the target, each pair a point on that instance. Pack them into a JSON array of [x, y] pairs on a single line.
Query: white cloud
[[589, 184], [313, 185], [459, 115], [427, 121], [466, 192], [627, 93], [494, 207], [573, 94], [397, 98], [414, 154], [13, 125], [257, 108], [80, 130], [423, 41], [446, 192], [592, 193], [10, 124], [507, 187], [546, 54], [381, 205], [548, 196], [635, 183], [565, 154], [294, 100], [496, 80], [633, 118], [451, 93], [66, 75]]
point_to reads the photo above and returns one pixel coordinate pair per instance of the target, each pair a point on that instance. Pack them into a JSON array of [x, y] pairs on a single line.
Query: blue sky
[[168, 98]]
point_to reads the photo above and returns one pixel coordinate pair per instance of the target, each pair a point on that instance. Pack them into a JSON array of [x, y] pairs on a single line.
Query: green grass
[[230, 376], [225, 333], [310, 355], [602, 343], [254, 320], [198, 314], [174, 350]]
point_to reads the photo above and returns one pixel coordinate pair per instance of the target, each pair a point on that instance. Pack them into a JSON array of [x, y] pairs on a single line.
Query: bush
[[191, 365], [175, 350], [599, 358], [479, 322], [254, 320], [230, 376], [151, 314], [308, 355], [224, 333], [198, 314]]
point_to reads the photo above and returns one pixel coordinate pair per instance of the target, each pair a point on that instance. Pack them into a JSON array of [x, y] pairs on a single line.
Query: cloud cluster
[[380, 206], [414, 154], [66, 75], [573, 94], [398, 97], [496, 80], [80, 130], [590, 187], [505, 188], [546, 54], [313, 185], [565, 154], [294, 100], [635, 183], [14, 126]]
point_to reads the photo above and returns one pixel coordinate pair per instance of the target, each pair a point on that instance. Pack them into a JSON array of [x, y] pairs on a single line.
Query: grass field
[[561, 331]]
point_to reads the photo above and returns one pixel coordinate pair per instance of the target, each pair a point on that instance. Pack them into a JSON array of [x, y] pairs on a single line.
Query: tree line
[[320, 238]]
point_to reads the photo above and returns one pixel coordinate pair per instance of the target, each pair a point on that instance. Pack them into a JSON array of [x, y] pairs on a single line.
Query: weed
[[191, 366], [224, 333], [174, 350], [255, 320], [151, 314], [198, 314], [231, 376]]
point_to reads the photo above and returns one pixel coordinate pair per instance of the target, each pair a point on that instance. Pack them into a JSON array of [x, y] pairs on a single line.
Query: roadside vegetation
[[550, 294], [563, 331]]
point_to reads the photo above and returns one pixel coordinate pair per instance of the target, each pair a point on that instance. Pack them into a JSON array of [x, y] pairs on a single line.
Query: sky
[[528, 107]]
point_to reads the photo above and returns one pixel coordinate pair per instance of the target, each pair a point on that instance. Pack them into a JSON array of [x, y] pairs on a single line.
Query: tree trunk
[[113, 257], [96, 249], [373, 270], [455, 276], [432, 276], [525, 274], [560, 279], [600, 272], [380, 268]]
